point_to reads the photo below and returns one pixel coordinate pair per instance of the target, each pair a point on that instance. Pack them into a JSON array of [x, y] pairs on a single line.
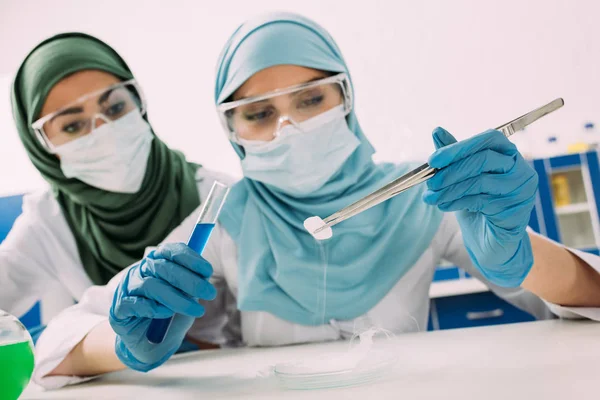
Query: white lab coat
[[39, 257], [404, 309]]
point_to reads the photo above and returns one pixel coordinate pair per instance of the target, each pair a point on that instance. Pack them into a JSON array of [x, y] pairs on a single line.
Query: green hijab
[[111, 229]]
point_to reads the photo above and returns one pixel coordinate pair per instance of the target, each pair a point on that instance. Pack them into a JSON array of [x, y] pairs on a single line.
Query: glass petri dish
[[334, 370]]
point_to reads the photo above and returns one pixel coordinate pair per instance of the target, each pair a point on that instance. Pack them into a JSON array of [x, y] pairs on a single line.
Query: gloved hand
[[170, 280], [492, 189]]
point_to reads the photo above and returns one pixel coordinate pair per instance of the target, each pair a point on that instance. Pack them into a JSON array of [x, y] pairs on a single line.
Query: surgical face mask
[[112, 157], [304, 156]]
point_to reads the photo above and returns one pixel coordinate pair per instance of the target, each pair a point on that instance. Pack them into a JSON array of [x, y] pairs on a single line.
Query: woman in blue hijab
[[285, 97]]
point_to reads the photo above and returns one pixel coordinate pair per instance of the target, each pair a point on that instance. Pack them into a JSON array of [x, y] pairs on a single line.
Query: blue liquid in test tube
[[200, 237], [158, 328]]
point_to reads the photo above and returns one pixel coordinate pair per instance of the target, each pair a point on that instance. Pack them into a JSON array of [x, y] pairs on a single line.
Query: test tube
[[205, 224]]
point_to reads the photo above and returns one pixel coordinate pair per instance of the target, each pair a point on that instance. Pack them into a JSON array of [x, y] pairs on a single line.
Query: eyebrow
[[294, 94], [301, 83], [78, 110], [104, 96], [68, 111]]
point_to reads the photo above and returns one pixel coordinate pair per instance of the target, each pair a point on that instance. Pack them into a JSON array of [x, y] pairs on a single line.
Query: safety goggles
[[81, 117], [261, 117]]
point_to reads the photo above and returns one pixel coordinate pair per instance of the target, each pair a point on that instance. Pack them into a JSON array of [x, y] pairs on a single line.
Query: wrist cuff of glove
[[130, 361], [513, 272]]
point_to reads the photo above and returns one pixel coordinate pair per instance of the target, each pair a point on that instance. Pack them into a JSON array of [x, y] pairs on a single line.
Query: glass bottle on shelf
[[584, 141], [560, 190], [552, 148], [591, 135]]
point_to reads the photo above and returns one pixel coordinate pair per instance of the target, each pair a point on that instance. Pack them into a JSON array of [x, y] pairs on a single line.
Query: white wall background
[[467, 65]]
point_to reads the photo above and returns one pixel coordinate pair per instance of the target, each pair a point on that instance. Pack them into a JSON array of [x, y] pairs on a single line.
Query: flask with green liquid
[[16, 357]]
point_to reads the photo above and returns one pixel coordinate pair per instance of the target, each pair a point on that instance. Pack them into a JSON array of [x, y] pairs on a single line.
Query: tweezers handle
[[507, 130]]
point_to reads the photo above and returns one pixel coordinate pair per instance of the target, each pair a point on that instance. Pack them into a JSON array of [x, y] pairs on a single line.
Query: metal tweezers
[[425, 172]]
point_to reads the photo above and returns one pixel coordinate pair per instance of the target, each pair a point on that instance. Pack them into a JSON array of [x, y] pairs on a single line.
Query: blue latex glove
[[169, 281], [492, 189]]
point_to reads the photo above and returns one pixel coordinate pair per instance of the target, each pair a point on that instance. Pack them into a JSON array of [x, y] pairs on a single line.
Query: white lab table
[[534, 360]]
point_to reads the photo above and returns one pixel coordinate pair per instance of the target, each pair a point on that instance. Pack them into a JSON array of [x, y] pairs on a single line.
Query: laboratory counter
[[555, 359]]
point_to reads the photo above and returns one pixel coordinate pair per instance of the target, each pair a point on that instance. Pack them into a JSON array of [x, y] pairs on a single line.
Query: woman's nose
[[98, 120]]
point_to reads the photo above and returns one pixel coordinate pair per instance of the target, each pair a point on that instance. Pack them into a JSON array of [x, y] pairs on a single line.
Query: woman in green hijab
[[115, 188]]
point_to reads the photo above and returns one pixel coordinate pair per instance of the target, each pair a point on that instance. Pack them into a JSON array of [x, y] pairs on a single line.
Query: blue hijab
[[281, 267]]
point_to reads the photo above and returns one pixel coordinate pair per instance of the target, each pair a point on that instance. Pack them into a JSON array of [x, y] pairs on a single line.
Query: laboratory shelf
[[573, 209], [471, 310], [459, 300]]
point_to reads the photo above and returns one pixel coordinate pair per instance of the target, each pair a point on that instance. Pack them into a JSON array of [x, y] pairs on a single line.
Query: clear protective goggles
[[260, 118], [81, 116]]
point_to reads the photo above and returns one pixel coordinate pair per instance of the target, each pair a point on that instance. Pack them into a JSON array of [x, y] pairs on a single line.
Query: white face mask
[[304, 156], [112, 157]]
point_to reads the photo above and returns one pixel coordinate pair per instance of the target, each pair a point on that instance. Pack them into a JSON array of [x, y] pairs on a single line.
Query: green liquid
[[16, 367]]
